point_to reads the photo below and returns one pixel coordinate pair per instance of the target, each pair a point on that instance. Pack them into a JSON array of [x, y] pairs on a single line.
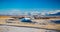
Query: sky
[[29, 5]]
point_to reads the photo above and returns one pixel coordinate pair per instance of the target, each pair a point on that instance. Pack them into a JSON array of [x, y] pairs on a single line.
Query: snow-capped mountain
[[54, 14], [18, 13]]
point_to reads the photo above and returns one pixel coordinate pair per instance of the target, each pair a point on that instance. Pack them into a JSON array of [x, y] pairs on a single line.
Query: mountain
[[56, 14]]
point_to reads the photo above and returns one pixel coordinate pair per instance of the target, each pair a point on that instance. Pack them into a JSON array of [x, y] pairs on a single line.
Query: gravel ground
[[22, 29]]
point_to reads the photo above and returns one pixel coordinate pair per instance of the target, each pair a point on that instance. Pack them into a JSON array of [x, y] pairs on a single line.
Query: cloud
[[11, 12], [43, 13], [14, 12]]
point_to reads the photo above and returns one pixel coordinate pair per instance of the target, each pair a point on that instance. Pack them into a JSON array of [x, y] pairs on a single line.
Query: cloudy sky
[[29, 5]]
